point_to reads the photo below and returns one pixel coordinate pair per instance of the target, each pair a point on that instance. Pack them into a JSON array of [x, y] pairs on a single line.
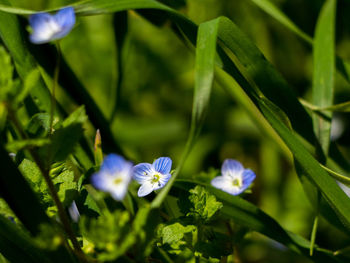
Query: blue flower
[[48, 27], [114, 176], [152, 176], [234, 178]]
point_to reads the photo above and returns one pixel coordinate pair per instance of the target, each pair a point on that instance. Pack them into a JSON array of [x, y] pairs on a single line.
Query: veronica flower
[[152, 176], [234, 178], [48, 27], [114, 176]]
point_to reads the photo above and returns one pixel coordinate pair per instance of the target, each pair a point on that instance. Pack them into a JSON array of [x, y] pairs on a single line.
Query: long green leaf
[[273, 11], [324, 70], [17, 193], [342, 66], [204, 77], [17, 246]]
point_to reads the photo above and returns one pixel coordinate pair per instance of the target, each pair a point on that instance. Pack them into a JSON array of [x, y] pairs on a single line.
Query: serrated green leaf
[[67, 187], [203, 204], [33, 175], [174, 235]]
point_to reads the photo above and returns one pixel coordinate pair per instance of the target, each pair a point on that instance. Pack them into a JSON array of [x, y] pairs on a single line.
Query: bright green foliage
[[108, 233], [5, 209], [63, 180], [6, 74], [48, 237], [203, 204], [178, 236], [33, 175]]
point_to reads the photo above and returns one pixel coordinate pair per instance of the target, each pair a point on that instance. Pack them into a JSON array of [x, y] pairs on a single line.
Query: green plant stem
[[54, 84], [313, 235], [45, 172]]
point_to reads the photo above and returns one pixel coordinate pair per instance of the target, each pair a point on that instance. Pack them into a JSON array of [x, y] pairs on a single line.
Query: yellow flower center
[[118, 180], [237, 182], [155, 178]]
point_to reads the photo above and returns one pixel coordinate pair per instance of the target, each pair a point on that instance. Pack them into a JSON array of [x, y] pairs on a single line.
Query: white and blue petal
[[162, 165], [114, 163], [65, 18], [225, 184], [114, 176], [48, 27], [234, 179], [163, 179], [143, 172], [231, 167], [248, 177], [145, 189], [152, 176]]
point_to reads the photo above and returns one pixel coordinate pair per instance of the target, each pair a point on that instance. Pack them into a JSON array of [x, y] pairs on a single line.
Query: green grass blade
[[341, 107], [17, 246], [323, 85], [324, 71], [204, 77], [17, 193], [273, 11]]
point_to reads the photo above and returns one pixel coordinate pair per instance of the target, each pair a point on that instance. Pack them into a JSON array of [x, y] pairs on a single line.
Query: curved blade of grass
[[342, 66], [323, 85], [16, 246], [341, 107], [273, 11], [323, 76], [248, 215], [204, 76], [19, 196]]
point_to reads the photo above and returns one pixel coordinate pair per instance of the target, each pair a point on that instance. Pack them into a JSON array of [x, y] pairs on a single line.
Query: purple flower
[[152, 176], [114, 176], [48, 27], [234, 178]]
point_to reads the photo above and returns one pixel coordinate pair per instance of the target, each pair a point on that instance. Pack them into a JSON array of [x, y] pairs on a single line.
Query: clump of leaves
[[200, 205], [106, 232], [193, 231], [63, 179]]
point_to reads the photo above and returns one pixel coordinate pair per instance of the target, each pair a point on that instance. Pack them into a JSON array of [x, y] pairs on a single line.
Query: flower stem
[[54, 84], [45, 171]]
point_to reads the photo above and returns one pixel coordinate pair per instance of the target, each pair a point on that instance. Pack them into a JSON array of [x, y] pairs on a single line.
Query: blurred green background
[[153, 114]]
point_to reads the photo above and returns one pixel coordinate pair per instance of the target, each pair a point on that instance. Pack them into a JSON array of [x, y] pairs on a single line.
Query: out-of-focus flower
[[114, 176], [152, 176], [74, 212], [234, 178], [47, 28]]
